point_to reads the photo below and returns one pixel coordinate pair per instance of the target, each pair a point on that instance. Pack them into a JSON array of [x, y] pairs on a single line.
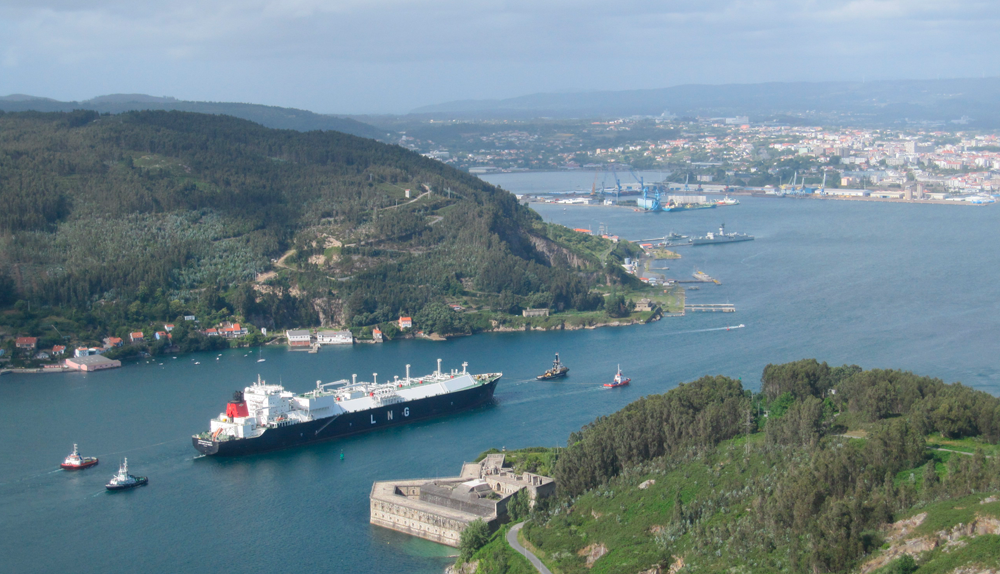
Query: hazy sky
[[359, 56]]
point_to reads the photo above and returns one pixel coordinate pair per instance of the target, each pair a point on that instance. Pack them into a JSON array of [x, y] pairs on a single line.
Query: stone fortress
[[440, 509]]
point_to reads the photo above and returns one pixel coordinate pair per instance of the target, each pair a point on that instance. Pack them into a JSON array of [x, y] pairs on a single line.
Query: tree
[[518, 506], [474, 537], [930, 478]]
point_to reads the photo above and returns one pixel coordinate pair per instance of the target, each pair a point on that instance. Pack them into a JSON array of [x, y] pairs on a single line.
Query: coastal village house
[[110, 342], [298, 338], [645, 304], [535, 313], [58, 350], [232, 330], [27, 344], [405, 322], [377, 335], [136, 337], [335, 338]]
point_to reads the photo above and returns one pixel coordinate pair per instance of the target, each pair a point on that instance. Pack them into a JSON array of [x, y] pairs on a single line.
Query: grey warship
[[721, 237]]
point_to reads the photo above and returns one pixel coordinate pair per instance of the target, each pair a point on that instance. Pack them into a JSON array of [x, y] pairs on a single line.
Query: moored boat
[[123, 480], [620, 380], [76, 462]]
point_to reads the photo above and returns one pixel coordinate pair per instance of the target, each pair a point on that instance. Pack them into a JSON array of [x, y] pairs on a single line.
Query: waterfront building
[[334, 338], [92, 363], [535, 313], [439, 509], [298, 338]]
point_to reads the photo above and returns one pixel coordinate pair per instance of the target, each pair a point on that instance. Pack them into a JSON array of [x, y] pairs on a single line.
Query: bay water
[[875, 284]]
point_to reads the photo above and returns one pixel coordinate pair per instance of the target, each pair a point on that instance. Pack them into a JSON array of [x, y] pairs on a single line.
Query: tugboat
[[123, 480], [76, 462], [620, 380], [557, 371]]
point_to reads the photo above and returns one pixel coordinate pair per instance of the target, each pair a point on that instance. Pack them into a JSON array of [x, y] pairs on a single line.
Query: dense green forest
[[112, 222], [829, 469], [269, 116]]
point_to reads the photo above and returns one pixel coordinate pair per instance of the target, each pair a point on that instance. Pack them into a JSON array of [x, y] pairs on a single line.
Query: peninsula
[[181, 231], [827, 469]]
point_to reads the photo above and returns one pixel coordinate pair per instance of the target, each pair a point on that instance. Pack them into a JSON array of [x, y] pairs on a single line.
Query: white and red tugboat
[[123, 480], [620, 380], [76, 462]]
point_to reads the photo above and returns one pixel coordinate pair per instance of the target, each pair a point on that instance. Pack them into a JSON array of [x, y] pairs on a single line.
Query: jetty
[[711, 307]]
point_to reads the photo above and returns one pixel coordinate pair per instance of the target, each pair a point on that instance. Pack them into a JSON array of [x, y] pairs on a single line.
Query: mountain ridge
[[873, 102], [268, 116]]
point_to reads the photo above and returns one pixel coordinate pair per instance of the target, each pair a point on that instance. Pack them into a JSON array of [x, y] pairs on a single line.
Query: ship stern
[[206, 447]]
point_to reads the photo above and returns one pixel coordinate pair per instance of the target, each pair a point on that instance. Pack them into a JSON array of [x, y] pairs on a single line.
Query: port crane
[[650, 194], [618, 184]]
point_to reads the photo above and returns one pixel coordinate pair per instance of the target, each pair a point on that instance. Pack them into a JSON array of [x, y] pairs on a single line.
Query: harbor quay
[[440, 509]]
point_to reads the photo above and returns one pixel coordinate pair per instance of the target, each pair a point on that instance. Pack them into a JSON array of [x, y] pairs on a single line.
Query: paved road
[[512, 540]]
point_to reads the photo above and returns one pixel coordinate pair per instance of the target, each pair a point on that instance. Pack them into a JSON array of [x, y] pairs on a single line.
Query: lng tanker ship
[[265, 417]]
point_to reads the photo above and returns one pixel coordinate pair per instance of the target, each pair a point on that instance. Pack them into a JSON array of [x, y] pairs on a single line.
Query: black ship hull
[[140, 481], [349, 423]]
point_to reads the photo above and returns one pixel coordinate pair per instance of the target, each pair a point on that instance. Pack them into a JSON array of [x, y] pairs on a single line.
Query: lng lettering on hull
[[267, 417]]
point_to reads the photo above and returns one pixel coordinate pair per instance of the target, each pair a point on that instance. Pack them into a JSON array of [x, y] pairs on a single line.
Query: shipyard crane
[[618, 184]]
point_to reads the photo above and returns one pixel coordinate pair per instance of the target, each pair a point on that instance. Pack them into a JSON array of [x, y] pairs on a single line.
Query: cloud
[[428, 51]]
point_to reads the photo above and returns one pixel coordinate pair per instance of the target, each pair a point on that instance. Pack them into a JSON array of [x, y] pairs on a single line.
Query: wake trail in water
[[531, 399], [48, 472], [142, 447], [745, 259], [729, 328]]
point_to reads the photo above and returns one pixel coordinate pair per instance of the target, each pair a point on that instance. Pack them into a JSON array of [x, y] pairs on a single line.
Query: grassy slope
[[634, 523]]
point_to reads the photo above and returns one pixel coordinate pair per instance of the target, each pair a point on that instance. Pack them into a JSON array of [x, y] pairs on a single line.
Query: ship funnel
[[464, 367], [374, 378], [407, 373], [354, 379], [439, 367]]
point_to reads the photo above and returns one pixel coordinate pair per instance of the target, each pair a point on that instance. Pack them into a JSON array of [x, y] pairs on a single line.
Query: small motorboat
[[76, 462], [123, 480], [620, 380]]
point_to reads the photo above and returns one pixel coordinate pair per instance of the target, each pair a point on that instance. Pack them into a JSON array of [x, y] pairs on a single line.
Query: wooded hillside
[[144, 215], [830, 469]]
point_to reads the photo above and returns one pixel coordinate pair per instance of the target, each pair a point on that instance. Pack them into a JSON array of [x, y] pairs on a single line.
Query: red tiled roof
[[27, 341]]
